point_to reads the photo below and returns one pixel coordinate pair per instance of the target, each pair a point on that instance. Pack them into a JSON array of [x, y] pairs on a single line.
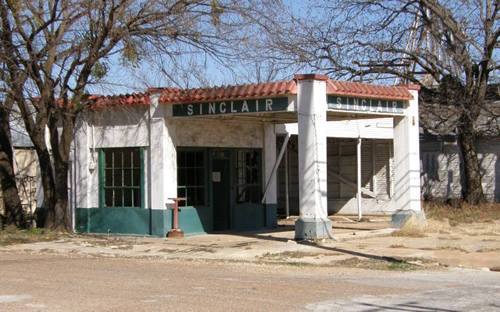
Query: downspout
[[149, 168], [73, 189], [358, 156]]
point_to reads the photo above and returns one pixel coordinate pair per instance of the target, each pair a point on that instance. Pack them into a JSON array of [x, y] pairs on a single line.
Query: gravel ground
[[43, 282]]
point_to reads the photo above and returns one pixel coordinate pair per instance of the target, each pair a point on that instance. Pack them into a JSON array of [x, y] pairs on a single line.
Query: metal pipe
[[358, 195], [287, 196]]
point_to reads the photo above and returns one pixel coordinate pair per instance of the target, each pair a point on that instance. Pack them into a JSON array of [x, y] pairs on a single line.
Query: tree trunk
[[14, 213], [472, 187], [47, 179], [61, 135]]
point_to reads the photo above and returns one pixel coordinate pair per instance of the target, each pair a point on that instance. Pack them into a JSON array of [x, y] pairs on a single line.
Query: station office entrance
[[224, 185]]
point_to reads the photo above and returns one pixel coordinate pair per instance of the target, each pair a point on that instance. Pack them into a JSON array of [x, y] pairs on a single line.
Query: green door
[[221, 190]]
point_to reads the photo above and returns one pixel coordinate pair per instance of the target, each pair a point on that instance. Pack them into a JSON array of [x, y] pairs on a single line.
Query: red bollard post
[[176, 232]]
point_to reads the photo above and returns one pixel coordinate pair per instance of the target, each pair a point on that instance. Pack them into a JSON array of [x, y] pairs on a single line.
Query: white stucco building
[[218, 148]]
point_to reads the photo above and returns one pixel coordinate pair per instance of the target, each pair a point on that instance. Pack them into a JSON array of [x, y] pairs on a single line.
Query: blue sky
[[122, 79]]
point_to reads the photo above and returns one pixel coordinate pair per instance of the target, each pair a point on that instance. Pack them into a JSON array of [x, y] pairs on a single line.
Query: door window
[[191, 177], [248, 168]]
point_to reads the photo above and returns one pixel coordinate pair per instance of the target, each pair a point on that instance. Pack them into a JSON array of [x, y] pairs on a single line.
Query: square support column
[[271, 199], [161, 166], [407, 162], [313, 222]]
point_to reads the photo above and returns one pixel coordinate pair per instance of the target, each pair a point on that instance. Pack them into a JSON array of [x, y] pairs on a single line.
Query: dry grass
[[462, 212], [12, 235], [374, 264], [412, 228], [397, 246]]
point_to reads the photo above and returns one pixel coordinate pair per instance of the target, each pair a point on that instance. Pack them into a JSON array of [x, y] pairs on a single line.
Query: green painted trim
[[138, 221], [102, 177], [143, 190]]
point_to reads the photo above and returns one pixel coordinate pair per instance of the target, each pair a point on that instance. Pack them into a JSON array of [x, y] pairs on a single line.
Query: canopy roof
[[252, 91]]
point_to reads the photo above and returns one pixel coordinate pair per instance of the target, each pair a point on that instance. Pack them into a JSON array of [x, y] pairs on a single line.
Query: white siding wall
[[442, 171]]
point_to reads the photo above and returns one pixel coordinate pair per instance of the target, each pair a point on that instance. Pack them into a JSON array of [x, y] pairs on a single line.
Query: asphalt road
[[58, 283]]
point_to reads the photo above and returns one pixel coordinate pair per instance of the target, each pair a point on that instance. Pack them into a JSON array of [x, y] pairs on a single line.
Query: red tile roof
[[260, 90], [178, 96], [134, 99], [368, 90]]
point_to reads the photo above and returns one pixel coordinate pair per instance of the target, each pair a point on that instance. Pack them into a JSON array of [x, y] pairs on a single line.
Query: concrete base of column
[[310, 229], [400, 217]]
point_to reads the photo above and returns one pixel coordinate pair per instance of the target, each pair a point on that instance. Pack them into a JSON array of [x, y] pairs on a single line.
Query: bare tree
[[448, 47], [61, 47]]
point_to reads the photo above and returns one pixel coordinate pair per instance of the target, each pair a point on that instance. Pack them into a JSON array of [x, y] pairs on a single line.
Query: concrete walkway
[[363, 245]]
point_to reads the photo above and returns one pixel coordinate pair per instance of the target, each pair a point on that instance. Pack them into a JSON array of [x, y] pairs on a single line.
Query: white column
[[271, 199], [313, 222], [269, 162], [407, 158], [85, 169], [163, 158], [163, 170]]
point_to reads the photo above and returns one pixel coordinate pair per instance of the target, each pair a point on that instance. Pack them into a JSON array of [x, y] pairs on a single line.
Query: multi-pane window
[[248, 178], [191, 177], [121, 177]]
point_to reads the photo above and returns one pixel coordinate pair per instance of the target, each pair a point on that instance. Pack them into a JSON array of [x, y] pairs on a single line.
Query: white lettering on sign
[[339, 102], [244, 107], [269, 104], [232, 107], [211, 108]]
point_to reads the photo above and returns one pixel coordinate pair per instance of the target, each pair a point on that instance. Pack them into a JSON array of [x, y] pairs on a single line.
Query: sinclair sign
[[354, 104], [231, 107]]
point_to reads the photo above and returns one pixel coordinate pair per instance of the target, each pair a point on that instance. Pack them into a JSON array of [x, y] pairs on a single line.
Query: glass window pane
[[200, 159], [136, 158], [108, 197], [108, 177], [200, 176], [127, 177], [181, 159], [136, 179], [191, 176], [190, 159], [117, 176], [108, 158], [118, 199], [181, 192], [127, 197], [137, 197], [200, 196], [127, 158], [181, 177], [117, 159]]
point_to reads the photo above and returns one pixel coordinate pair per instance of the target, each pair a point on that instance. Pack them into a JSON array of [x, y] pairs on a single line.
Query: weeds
[[12, 235], [373, 264], [462, 212]]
